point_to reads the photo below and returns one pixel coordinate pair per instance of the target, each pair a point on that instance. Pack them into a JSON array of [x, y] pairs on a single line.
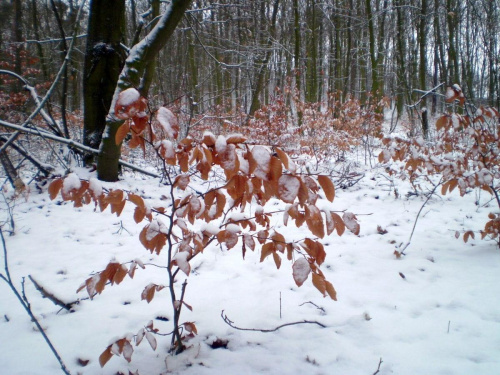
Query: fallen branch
[[231, 324], [73, 144], [378, 368], [50, 296]]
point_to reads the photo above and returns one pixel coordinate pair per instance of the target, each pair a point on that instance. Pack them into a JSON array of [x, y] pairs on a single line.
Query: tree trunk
[[104, 60], [132, 75]]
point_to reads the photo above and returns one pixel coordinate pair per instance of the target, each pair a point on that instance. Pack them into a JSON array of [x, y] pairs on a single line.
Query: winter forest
[[239, 187]]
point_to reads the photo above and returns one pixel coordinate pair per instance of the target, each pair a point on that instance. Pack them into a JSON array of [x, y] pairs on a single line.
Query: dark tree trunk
[[104, 59]]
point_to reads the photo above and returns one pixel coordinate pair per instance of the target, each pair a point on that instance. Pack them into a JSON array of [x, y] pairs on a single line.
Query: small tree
[[465, 154], [194, 216]]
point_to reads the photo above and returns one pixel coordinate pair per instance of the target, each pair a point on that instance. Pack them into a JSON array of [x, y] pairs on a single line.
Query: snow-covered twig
[[425, 93], [231, 324], [51, 297], [73, 144]]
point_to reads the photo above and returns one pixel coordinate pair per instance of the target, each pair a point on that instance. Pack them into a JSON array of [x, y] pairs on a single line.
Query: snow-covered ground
[[434, 311]]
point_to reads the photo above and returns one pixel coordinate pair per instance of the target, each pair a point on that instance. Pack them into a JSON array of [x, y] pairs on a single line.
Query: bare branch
[[231, 324], [50, 296], [73, 144]]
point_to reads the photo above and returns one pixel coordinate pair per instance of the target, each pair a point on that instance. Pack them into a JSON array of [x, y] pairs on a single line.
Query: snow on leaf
[[190, 327], [95, 188], [151, 339], [140, 336], [351, 223], [220, 144], [262, 157], [128, 104], [71, 183], [128, 97], [168, 121], [181, 260], [300, 271], [128, 350], [288, 188]]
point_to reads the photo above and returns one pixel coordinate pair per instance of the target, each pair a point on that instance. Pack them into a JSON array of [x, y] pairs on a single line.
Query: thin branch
[[50, 296], [378, 368], [45, 41], [430, 194], [73, 144], [425, 93], [231, 324]]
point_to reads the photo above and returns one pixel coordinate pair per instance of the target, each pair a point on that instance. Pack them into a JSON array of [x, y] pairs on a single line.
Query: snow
[[442, 318], [450, 93], [220, 144], [128, 97], [168, 121], [288, 188], [71, 182]]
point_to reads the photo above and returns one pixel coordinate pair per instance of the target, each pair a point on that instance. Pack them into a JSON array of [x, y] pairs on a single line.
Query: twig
[[378, 368], [419, 212], [312, 303], [26, 305], [50, 296], [73, 144], [231, 324]]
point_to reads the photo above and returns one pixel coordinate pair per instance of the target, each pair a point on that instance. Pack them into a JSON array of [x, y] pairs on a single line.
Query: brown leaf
[[105, 356], [54, 188], [339, 223], [182, 181], [320, 283], [267, 249], [122, 132], [190, 327], [277, 259], [331, 290], [327, 186], [314, 221], [468, 234], [148, 293], [283, 157], [235, 139]]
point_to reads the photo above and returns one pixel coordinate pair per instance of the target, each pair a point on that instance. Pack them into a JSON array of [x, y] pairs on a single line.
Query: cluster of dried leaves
[[192, 219], [466, 153], [327, 130]]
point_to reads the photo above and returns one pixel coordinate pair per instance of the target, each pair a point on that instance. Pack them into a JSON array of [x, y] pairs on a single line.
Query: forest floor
[[435, 310]]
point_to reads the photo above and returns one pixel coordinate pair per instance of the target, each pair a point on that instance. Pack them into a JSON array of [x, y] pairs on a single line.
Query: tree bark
[[104, 59], [132, 75]]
